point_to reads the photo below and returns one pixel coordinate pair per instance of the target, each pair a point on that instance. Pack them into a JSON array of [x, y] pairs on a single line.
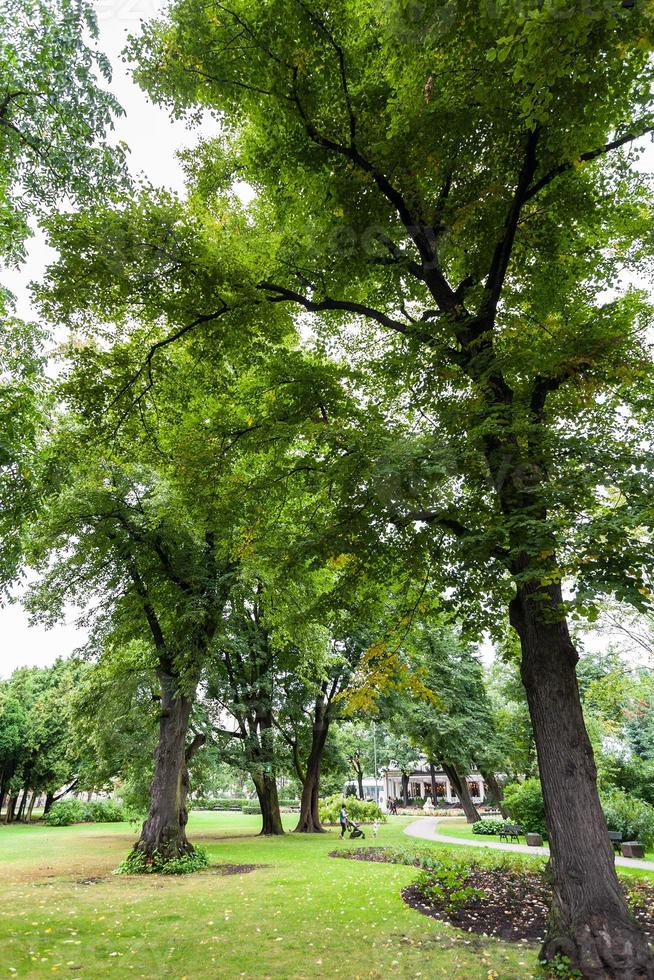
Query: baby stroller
[[355, 830]]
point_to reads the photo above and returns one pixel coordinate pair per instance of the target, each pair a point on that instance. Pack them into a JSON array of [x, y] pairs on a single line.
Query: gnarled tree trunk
[[461, 786], [309, 821], [589, 919], [164, 832], [271, 818]]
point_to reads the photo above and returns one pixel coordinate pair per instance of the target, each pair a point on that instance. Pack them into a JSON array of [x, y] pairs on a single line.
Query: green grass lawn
[[303, 914]]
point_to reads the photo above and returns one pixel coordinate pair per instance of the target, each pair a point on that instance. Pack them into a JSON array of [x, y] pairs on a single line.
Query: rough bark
[[589, 921], [495, 793], [461, 787], [405, 789], [309, 821], [271, 818], [11, 807], [163, 834]]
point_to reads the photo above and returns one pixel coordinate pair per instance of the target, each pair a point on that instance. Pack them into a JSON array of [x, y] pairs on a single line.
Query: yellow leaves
[[340, 561]]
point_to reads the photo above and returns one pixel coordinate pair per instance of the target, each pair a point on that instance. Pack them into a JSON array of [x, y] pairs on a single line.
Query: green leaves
[[53, 113]]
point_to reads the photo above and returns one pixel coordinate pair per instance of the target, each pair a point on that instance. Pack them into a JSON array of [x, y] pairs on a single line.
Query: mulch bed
[[516, 904], [515, 908], [235, 869]]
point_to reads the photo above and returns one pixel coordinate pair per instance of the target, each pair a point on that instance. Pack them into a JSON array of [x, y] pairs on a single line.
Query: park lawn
[[303, 914], [459, 827]]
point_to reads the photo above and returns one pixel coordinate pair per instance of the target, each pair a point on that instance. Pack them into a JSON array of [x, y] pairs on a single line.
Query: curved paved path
[[426, 829]]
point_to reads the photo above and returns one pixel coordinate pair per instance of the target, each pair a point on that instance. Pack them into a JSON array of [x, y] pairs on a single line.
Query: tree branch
[[502, 254], [585, 158], [433, 517], [282, 294]]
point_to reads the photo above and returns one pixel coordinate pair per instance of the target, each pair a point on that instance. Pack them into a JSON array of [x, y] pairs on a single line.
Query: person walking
[[343, 819]]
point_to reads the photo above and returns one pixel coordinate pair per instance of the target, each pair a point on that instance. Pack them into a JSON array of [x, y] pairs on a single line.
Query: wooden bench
[[616, 839], [509, 832]]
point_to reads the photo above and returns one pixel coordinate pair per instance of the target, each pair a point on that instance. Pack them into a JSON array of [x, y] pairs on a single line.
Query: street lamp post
[[374, 757]]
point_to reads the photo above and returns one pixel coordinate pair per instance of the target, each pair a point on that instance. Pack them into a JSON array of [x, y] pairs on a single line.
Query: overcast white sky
[[153, 139]]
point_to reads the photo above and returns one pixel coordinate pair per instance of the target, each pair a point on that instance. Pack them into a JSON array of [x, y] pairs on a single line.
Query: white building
[[420, 785], [389, 786]]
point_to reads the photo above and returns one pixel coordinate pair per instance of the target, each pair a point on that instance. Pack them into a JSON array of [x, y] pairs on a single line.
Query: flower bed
[[504, 899]]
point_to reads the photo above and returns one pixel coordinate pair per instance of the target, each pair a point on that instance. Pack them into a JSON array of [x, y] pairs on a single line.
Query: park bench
[[616, 840], [509, 832]]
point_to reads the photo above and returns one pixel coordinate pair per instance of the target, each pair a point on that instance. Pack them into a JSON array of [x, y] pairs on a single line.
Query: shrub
[[448, 887], [104, 811], [251, 808], [488, 827], [524, 804], [357, 810], [137, 864], [65, 813], [628, 815]]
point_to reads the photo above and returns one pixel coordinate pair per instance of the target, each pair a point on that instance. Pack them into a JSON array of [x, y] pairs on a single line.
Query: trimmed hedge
[[220, 803]]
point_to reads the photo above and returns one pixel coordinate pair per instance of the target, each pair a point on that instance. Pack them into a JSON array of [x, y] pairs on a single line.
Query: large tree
[[451, 725], [460, 179]]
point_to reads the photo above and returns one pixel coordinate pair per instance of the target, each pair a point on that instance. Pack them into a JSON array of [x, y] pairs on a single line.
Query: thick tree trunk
[[12, 799], [589, 919], [49, 800], [405, 789], [163, 834], [461, 787], [495, 793], [360, 783], [271, 818], [309, 822]]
